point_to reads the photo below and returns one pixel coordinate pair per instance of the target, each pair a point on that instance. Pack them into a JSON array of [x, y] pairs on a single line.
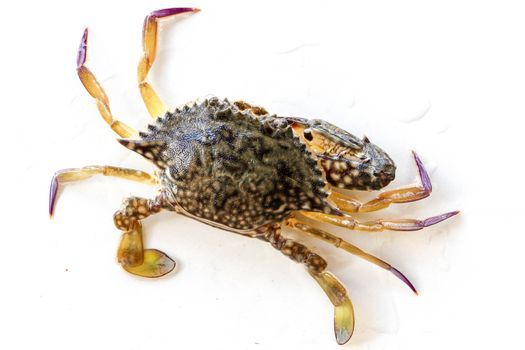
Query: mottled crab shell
[[229, 167]]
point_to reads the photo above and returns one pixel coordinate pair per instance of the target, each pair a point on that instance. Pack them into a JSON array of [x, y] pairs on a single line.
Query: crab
[[234, 166]]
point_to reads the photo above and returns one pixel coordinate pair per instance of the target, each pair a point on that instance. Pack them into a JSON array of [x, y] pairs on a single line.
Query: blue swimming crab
[[234, 166]]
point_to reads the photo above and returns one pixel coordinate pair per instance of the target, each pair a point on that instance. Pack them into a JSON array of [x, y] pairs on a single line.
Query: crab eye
[[307, 133]]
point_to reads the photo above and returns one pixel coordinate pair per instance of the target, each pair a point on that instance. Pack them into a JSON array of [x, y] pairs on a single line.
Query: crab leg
[[76, 174], [97, 92], [379, 224], [153, 102], [344, 320], [352, 249], [404, 194], [336, 292], [131, 254]]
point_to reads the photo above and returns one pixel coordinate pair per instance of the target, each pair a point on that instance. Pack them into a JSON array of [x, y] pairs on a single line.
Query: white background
[[445, 78]]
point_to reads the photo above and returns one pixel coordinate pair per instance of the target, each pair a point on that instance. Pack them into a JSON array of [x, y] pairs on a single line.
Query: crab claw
[[344, 312]]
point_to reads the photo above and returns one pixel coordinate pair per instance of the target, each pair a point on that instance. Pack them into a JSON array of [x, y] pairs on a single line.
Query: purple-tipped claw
[[423, 175], [403, 278], [173, 11], [415, 225], [436, 219], [82, 49], [53, 189]]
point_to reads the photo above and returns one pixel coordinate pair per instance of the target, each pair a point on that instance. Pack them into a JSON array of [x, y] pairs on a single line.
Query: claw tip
[[172, 11], [82, 49], [437, 219], [403, 278], [423, 175], [52, 195]]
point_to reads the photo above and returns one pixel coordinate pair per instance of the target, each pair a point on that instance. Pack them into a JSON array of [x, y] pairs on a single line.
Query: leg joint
[[134, 209], [296, 251]]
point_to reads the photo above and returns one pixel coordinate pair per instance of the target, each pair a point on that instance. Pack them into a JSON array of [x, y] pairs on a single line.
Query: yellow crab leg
[[350, 248], [131, 248], [97, 92], [344, 320], [405, 194], [336, 292], [132, 256], [153, 102], [77, 174], [379, 224]]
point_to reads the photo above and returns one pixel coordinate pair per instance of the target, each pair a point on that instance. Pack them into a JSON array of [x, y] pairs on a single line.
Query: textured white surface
[[444, 78]]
